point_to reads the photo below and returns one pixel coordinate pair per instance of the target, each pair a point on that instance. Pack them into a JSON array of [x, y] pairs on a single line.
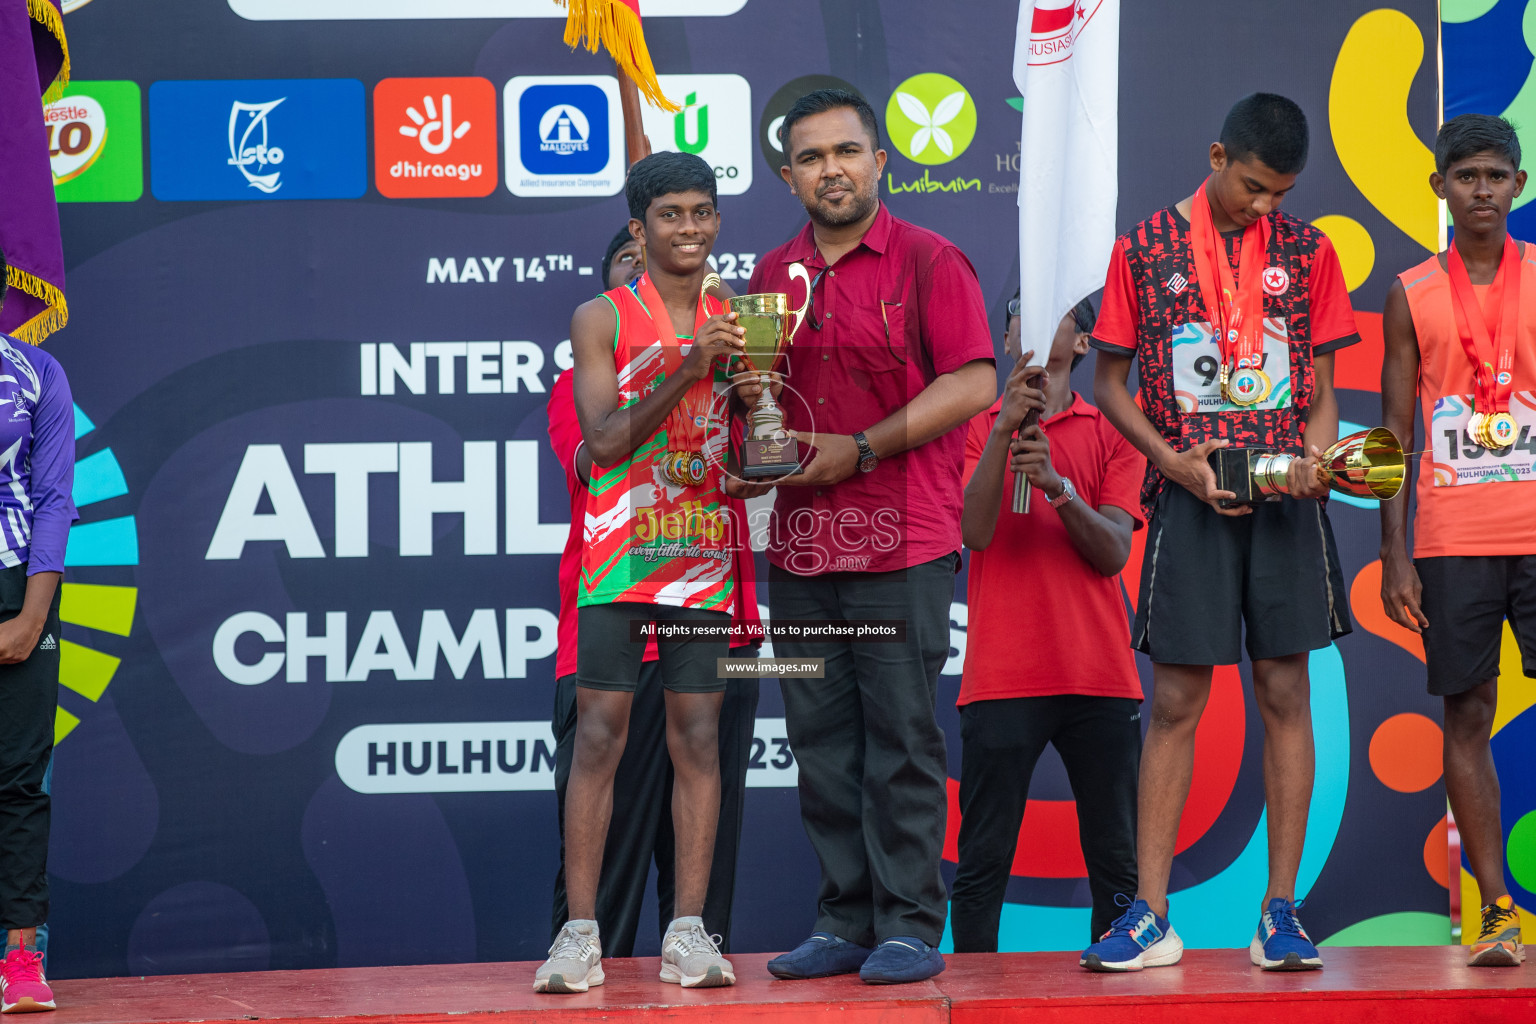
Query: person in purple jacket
[[37, 475]]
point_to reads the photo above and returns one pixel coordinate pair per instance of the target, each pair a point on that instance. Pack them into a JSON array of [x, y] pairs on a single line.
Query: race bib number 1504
[[1459, 460]]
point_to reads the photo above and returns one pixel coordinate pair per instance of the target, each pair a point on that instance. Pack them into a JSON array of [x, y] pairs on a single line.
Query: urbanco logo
[[931, 118], [86, 166], [564, 136], [434, 137], [714, 124]]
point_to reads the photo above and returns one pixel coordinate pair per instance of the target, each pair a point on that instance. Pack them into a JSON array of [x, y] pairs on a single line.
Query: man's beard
[[852, 211]]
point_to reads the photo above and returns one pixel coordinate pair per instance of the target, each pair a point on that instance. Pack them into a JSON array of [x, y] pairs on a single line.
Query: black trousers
[[29, 692], [641, 826], [1099, 740], [871, 753]]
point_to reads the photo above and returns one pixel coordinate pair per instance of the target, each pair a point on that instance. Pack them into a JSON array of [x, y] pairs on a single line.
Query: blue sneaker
[[899, 960], [820, 956], [1281, 943], [1137, 939]]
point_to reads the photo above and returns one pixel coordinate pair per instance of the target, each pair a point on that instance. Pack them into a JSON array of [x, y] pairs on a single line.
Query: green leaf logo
[[931, 119]]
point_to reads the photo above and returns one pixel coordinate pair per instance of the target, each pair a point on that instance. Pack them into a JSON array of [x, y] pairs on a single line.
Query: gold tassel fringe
[[615, 27], [49, 320], [47, 15]]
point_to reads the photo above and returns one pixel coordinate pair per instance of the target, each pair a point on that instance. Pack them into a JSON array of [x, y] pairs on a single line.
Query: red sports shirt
[[1152, 310], [565, 439], [1042, 621]]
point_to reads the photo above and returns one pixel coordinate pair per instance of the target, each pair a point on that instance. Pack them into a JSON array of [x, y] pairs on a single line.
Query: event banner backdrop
[[322, 257]]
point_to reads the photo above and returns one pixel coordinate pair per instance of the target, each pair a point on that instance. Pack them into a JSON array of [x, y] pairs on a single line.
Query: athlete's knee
[[1469, 716]]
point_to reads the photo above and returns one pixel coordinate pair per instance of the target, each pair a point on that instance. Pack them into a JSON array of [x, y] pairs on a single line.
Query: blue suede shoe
[[820, 956], [900, 960]]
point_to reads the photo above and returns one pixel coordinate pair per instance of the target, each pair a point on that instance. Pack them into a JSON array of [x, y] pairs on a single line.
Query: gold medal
[[1501, 430], [1247, 385], [1474, 428]]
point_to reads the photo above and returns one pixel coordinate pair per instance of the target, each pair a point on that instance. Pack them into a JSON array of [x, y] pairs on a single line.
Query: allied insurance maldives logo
[[434, 137]]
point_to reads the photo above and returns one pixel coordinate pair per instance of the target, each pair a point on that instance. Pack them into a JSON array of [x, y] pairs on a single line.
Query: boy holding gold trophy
[[651, 386]]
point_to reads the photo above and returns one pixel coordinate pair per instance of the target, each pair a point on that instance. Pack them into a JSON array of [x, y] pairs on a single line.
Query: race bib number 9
[[1197, 369], [1459, 460]]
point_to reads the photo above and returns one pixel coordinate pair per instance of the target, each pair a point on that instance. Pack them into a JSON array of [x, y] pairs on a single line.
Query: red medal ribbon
[[1236, 308], [1487, 337], [684, 433]]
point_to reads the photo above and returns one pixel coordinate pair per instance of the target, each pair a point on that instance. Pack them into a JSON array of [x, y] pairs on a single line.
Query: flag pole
[[636, 146]]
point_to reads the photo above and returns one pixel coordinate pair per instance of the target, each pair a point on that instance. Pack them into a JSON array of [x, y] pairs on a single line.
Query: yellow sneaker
[[1498, 940]]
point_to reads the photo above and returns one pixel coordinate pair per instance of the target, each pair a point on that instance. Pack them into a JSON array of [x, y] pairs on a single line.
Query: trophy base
[[1238, 470], [768, 458]]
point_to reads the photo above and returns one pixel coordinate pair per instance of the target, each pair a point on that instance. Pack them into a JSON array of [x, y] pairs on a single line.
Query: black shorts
[[608, 654], [1205, 577], [1467, 600]]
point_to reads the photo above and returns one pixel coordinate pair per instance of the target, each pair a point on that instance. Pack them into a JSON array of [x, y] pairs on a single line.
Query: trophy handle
[[711, 280], [798, 271]]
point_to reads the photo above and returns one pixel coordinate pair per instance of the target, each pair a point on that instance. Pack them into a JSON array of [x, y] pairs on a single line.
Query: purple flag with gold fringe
[[34, 68]]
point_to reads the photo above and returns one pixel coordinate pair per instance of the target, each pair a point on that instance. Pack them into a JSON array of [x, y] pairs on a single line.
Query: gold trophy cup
[[770, 325], [1366, 464]]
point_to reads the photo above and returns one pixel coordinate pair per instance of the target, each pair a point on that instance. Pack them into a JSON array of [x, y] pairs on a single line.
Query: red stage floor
[[1359, 985]]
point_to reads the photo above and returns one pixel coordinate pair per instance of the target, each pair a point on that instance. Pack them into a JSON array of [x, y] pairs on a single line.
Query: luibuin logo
[[931, 118], [680, 133]]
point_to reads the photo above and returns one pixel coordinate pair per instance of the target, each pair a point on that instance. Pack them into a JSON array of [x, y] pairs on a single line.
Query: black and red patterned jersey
[[1152, 309]]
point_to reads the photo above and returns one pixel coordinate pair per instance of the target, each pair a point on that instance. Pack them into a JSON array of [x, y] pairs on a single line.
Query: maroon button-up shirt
[[894, 313]]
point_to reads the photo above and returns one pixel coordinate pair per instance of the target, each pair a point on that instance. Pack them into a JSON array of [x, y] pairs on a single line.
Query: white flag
[[1066, 63]]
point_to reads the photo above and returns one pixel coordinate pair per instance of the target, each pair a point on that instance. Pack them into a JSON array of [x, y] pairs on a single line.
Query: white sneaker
[[691, 957], [575, 960]]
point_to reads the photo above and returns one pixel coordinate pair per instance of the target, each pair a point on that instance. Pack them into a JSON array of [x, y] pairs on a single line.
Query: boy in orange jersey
[[1460, 332]]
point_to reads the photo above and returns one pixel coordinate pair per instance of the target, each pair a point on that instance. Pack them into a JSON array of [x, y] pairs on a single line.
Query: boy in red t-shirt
[[1474, 531], [1029, 680], [1233, 311]]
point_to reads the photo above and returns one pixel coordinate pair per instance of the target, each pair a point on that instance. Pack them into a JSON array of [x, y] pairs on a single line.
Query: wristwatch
[[1068, 492], [868, 460]]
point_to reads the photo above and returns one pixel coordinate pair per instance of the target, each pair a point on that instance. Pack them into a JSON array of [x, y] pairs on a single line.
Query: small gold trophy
[[1366, 464], [770, 325]]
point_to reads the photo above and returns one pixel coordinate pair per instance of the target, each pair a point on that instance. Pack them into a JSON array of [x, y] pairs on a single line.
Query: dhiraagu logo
[[103, 548], [931, 119]]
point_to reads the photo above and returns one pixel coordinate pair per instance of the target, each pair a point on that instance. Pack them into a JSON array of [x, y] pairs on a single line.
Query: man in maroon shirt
[[894, 359]]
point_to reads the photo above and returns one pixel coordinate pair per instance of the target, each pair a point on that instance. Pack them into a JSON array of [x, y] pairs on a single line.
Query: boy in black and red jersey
[[1234, 311]]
